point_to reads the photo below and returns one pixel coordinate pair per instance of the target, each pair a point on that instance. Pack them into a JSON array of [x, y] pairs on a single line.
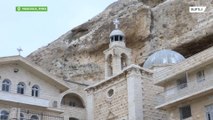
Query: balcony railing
[[183, 92], [23, 99]]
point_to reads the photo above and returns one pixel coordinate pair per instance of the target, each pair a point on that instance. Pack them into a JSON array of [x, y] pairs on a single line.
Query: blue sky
[[33, 30]]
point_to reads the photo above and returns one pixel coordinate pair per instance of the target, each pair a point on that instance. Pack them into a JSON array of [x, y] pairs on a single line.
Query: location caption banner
[[31, 8]]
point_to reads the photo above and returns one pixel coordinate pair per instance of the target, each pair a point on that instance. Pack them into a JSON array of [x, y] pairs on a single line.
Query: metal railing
[[184, 91], [23, 99], [41, 116], [30, 115]]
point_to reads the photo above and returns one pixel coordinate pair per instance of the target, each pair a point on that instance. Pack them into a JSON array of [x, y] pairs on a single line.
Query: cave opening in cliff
[[196, 46]]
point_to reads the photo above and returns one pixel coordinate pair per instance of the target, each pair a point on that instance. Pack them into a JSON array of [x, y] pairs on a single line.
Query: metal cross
[[116, 23], [19, 50]]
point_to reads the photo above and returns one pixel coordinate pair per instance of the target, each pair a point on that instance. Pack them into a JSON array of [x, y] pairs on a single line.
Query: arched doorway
[[72, 100]]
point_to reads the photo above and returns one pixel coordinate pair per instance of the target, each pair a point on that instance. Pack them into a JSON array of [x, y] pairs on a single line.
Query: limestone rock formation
[[148, 25]]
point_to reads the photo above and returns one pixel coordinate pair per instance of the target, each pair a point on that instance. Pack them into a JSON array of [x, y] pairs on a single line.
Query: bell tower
[[117, 56]]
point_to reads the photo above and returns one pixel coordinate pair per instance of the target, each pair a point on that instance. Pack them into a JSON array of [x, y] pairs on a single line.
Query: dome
[[163, 57], [116, 32]]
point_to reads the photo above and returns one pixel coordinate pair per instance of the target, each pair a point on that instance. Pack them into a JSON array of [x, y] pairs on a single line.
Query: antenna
[[19, 50]]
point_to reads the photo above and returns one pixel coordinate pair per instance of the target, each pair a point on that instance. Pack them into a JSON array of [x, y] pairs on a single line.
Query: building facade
[[167, 87], [188, 88], [28, 92], [125, 93]]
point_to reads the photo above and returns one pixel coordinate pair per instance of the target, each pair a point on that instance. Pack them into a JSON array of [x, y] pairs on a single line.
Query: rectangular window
[[185, 112], [32, 93], [182, 83], [5, 88], [36, 93], [20, 90], [116, 38], [200, 76], [72, 104]]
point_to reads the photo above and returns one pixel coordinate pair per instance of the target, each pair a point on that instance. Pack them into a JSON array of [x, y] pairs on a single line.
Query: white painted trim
[[22, 99]]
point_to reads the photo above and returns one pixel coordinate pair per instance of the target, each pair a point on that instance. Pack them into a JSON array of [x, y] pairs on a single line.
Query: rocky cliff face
[[149, 26]]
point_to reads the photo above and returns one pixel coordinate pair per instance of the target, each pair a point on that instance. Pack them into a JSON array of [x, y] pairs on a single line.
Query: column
[[14, 113], [90, 105], [135, 101]]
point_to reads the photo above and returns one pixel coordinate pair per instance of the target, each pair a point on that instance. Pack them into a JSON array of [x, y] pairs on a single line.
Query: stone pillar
[[90, 105], [135, 101], [106, 70], [14, 113]]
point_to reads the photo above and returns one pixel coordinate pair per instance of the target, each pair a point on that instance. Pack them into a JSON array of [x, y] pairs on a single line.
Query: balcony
[[169, 73], [184, 92], [23, 99]]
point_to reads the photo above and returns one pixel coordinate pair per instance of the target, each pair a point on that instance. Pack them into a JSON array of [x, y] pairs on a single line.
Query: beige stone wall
[[197, 108], [134, 97], [149, 101], [114, 108], [74, 112]]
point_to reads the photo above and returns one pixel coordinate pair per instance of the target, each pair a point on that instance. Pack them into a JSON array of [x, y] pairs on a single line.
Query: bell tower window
[[111, 38], [123, 61], [121, 38], [116, 38], [109, 65]]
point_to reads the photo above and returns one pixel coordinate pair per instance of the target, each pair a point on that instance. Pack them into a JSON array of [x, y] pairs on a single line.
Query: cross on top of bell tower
[[117, 37], [116, 23]]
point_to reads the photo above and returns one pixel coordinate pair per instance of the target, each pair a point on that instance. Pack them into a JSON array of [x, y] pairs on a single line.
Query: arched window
[[4, 115], [123, 61], [72, 100], [35, 90], [6, 85], [109, 66], [22, 116], [34, 117], [20, 88]]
